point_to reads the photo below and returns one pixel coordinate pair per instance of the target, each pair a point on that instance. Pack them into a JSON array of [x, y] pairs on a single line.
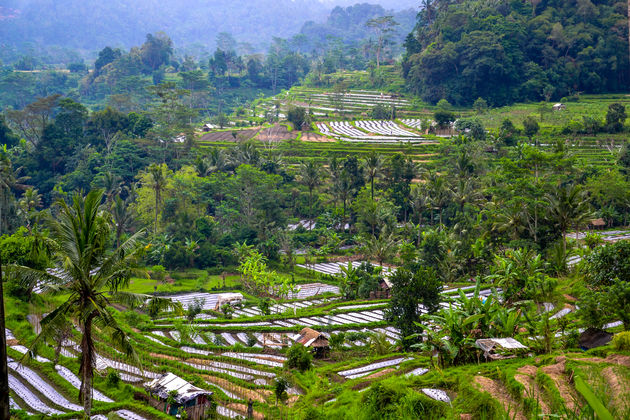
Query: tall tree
[[568, 207], [311, 176], [92, 277], [373, 166], [383, 27], [157, 179]]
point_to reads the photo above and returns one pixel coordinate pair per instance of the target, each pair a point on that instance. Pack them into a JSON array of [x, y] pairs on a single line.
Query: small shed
[[594, 337], [185, 396], [500, 348], [597, 223], [209, 127], [229, 298], [308, 337], [559, 107]]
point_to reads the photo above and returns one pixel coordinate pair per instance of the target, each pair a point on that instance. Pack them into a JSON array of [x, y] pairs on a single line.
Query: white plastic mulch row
[[386, 128], [374, 366], [129, 378], [437, 394], [175, 335], [24, 350], [417, 372], [414, 123], [44, 387], [103, 363], [195, 351], [215, 369], [362, 306], [562, 313], [129, 415], [228, 338], [29, 397], [226, 392], [226, 412], [69, 376], [155, 340]]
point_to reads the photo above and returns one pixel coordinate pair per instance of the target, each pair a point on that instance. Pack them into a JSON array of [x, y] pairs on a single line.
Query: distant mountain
[[349, 25], [93, 24]]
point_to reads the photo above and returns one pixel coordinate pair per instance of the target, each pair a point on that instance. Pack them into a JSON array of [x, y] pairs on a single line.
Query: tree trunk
[[4, 369], [87, 366]]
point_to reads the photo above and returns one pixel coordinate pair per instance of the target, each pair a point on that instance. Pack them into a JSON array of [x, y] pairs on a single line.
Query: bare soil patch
[[242, 408], [227, 135], [381, 373], [526, 376], [236, 389], [557, 372], [314, 137], [276, 133], [499, 393], [163, 356]]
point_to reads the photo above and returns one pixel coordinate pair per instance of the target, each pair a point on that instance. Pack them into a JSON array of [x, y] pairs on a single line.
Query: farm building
[[559, 107], [597, 223], [229, 298], [308, 337], [172, 394], [499, 348]]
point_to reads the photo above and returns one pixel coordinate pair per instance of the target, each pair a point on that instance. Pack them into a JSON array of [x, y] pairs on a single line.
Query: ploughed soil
[[499, 393]]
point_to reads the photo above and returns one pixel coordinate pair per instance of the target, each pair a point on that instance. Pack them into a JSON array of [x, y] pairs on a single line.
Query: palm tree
[[568, 206], [158, 184], [311, 177], [380, 247], [9, 180], [29, 203], [373, 165], [123, 217], [92, 277]]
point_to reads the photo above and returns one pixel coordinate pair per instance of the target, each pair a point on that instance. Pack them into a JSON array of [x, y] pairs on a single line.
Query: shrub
[[298, 357], [113, 378], [621, 341]]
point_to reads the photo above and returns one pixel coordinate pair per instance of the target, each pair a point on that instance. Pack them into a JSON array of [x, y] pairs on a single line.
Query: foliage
[[298, 357], [471, 50], [621, 341], [412, 287]]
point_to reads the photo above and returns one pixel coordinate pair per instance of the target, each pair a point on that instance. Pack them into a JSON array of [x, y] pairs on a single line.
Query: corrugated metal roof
[[169, 382]]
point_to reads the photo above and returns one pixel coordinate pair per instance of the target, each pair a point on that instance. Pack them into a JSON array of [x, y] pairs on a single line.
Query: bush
[[621, 341], [298, 357]]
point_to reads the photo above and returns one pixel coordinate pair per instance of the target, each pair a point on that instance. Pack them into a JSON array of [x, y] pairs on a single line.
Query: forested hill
[[506, 51], [348, 26], [93, 24]]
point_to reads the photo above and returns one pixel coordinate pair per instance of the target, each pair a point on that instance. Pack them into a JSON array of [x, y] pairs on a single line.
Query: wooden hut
[[310, 338], [186, 396]]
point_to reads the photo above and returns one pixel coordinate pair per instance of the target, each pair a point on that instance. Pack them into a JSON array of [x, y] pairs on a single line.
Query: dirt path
[[616, 359], [499, 393], [527, 377], [381, 373], [242, 408], [557, 372]]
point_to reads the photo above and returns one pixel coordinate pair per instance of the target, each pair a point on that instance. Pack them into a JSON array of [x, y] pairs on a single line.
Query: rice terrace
[[307, 210]]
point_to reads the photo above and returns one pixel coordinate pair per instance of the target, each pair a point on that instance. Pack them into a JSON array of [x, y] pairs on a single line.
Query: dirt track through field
[[557, 372], [499, 393], [527, 377]]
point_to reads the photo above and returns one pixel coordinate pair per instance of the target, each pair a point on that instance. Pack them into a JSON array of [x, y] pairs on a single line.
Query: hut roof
[[168, 382], [598, 222], [594, 337], [308, 337]]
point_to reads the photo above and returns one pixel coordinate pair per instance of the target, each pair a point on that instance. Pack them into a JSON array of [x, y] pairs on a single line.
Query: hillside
[[517, 51]]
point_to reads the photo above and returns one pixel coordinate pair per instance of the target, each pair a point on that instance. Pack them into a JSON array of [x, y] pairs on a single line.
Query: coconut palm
[[123, 217], [568, 207], [92, 277], [158, 184], [311, 176], [373, 165]]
